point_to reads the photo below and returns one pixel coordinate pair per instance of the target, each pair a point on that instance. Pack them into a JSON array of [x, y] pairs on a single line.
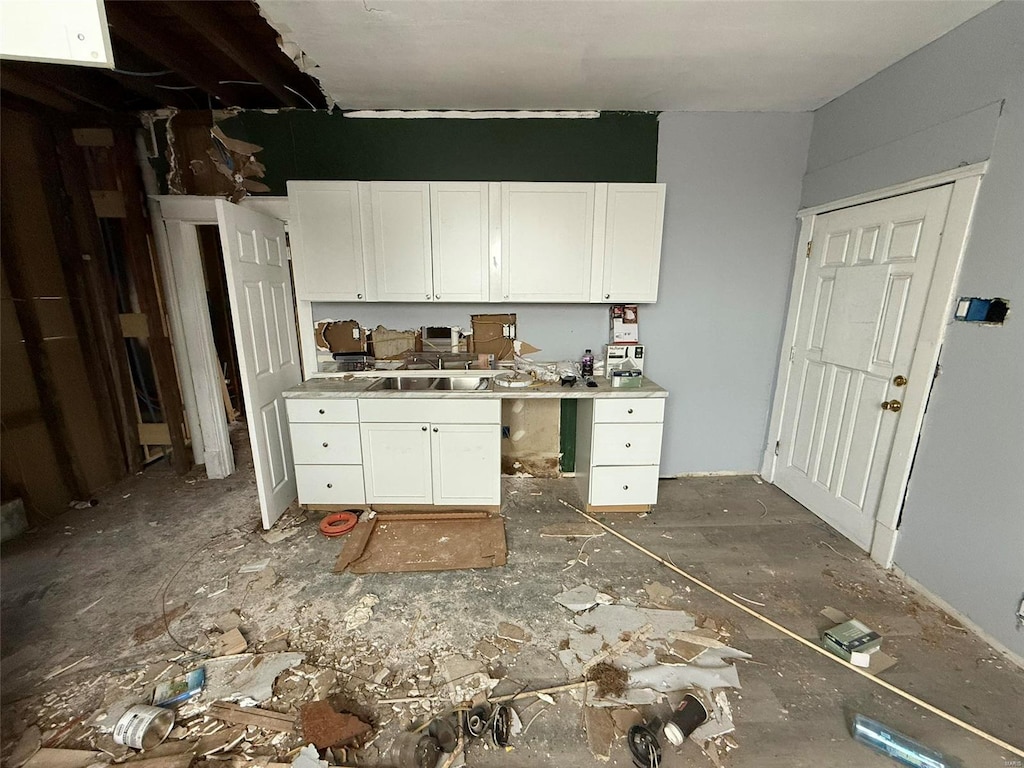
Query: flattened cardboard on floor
[[390, 546]]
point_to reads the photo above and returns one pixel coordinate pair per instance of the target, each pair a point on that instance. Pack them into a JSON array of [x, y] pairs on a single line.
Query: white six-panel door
[[260, 291], [863, 297]]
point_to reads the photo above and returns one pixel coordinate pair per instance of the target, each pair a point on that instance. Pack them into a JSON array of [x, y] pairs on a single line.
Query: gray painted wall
[[713, 337], [727, 259], [962, 532]]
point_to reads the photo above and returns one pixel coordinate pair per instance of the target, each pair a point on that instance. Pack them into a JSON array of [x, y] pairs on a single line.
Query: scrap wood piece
[[570, 531], [62, 758], [355, 544], [324, 727], [600, 732], [220, 741], [231, 643], [266, 719]]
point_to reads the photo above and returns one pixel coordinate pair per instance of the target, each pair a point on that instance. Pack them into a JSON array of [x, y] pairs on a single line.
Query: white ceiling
[[697, 55]]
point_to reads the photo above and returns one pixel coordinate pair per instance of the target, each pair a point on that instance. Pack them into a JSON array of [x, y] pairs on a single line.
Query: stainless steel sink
[[464, 383], [405, 383]]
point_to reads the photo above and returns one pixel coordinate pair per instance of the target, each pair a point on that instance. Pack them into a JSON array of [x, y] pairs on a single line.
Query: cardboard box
[[493, 335], [341, 336], [625, 324]]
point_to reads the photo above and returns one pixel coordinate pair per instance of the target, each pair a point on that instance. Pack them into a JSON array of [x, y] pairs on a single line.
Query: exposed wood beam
[[22, 86], [129, 60], [209, 21], [128, 24], [77, 83]]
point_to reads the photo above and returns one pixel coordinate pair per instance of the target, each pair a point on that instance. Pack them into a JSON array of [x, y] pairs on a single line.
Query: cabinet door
[[401, 240], [547, 237], [326, 239], [396, 463], [466, 463], [634, 220], [459, 238]]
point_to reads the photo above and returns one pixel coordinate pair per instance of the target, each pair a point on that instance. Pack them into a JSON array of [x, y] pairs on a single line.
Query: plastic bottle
[[587, 363]]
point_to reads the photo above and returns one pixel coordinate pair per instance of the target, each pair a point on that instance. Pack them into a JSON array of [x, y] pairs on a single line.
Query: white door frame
[[937, 311], [174, 220]]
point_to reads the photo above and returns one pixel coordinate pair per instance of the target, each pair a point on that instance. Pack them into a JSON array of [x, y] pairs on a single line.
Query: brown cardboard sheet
[[399, 546]]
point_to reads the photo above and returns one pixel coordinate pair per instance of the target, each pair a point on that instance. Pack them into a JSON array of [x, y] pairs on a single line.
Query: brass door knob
[[892, 405], [900, 381]]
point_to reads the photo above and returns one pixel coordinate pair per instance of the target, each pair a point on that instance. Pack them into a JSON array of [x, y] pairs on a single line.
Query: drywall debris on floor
[[659, 654]]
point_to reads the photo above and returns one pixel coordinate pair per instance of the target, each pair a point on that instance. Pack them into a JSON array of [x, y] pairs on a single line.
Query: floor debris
[[582, 598], [360, 613], [324, 727]]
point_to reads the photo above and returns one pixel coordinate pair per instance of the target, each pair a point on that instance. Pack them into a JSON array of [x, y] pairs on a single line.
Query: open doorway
[[217, 300]]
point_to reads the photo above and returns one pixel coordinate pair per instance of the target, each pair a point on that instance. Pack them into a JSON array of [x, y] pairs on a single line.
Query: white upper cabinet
[[547, 237], [628, 268], [459, 220], [401, 240], [327, 240]]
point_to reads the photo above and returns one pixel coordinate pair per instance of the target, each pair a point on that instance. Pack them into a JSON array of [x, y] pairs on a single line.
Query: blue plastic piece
[[894, 744]]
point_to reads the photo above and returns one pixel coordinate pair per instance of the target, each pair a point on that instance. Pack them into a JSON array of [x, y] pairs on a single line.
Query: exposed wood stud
[[141, 265], [97, 282]]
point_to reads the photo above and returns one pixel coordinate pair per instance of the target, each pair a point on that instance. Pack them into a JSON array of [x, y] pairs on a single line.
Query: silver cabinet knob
[[435, 429], [607, 295], [321, 411], [437, 295], [330, 485], [359, 295], [625, 487], [630, 410], [627, 445], [325, 445], [423, 428], [428, 297]]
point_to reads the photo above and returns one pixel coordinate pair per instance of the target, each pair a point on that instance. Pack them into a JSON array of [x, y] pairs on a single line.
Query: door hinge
[[792, 353], [776, 447], [809, 242]]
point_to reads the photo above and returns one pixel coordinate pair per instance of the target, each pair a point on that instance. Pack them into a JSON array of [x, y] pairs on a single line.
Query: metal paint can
[[687, 717], [143, 726]]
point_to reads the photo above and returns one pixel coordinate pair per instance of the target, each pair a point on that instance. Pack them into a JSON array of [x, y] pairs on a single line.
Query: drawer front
[[622, 409], [325, 484], [326, 444], [430, 411], [623, 485], [322, 410], [627, 444]]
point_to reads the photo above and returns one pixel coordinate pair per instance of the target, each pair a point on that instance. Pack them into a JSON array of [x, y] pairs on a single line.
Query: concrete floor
[[82, 585]]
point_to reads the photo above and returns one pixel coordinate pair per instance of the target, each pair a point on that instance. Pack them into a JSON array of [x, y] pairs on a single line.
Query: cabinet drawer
[[431, 411], [326, 444], [316, 410], [326, 484], [627, 444], [621, 409], [623, 485]]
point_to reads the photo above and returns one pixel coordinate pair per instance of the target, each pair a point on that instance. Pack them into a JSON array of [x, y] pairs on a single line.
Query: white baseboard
[[726, 473], [940, 603]]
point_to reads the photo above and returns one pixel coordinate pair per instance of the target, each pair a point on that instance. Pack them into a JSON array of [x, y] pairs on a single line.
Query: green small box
[[852, 640]]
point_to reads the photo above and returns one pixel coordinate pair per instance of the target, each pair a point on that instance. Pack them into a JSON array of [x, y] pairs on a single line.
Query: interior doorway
[[217, 300]]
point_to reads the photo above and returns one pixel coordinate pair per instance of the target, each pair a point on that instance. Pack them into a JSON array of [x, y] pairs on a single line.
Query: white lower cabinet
[[326, 450], [397, 465], [441, 460], [618, 450], [466, 463]]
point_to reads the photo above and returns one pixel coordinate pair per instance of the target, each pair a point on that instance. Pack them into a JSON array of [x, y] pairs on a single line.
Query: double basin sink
[[432, 383]]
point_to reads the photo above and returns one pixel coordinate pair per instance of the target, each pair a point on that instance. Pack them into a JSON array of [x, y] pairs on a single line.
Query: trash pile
[[647, 672]]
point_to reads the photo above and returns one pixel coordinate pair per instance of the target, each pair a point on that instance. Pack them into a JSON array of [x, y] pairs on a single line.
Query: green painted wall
[[620, 146]]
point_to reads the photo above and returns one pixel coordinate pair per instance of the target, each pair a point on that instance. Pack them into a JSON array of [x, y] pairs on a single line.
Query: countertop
[[357, 385]]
